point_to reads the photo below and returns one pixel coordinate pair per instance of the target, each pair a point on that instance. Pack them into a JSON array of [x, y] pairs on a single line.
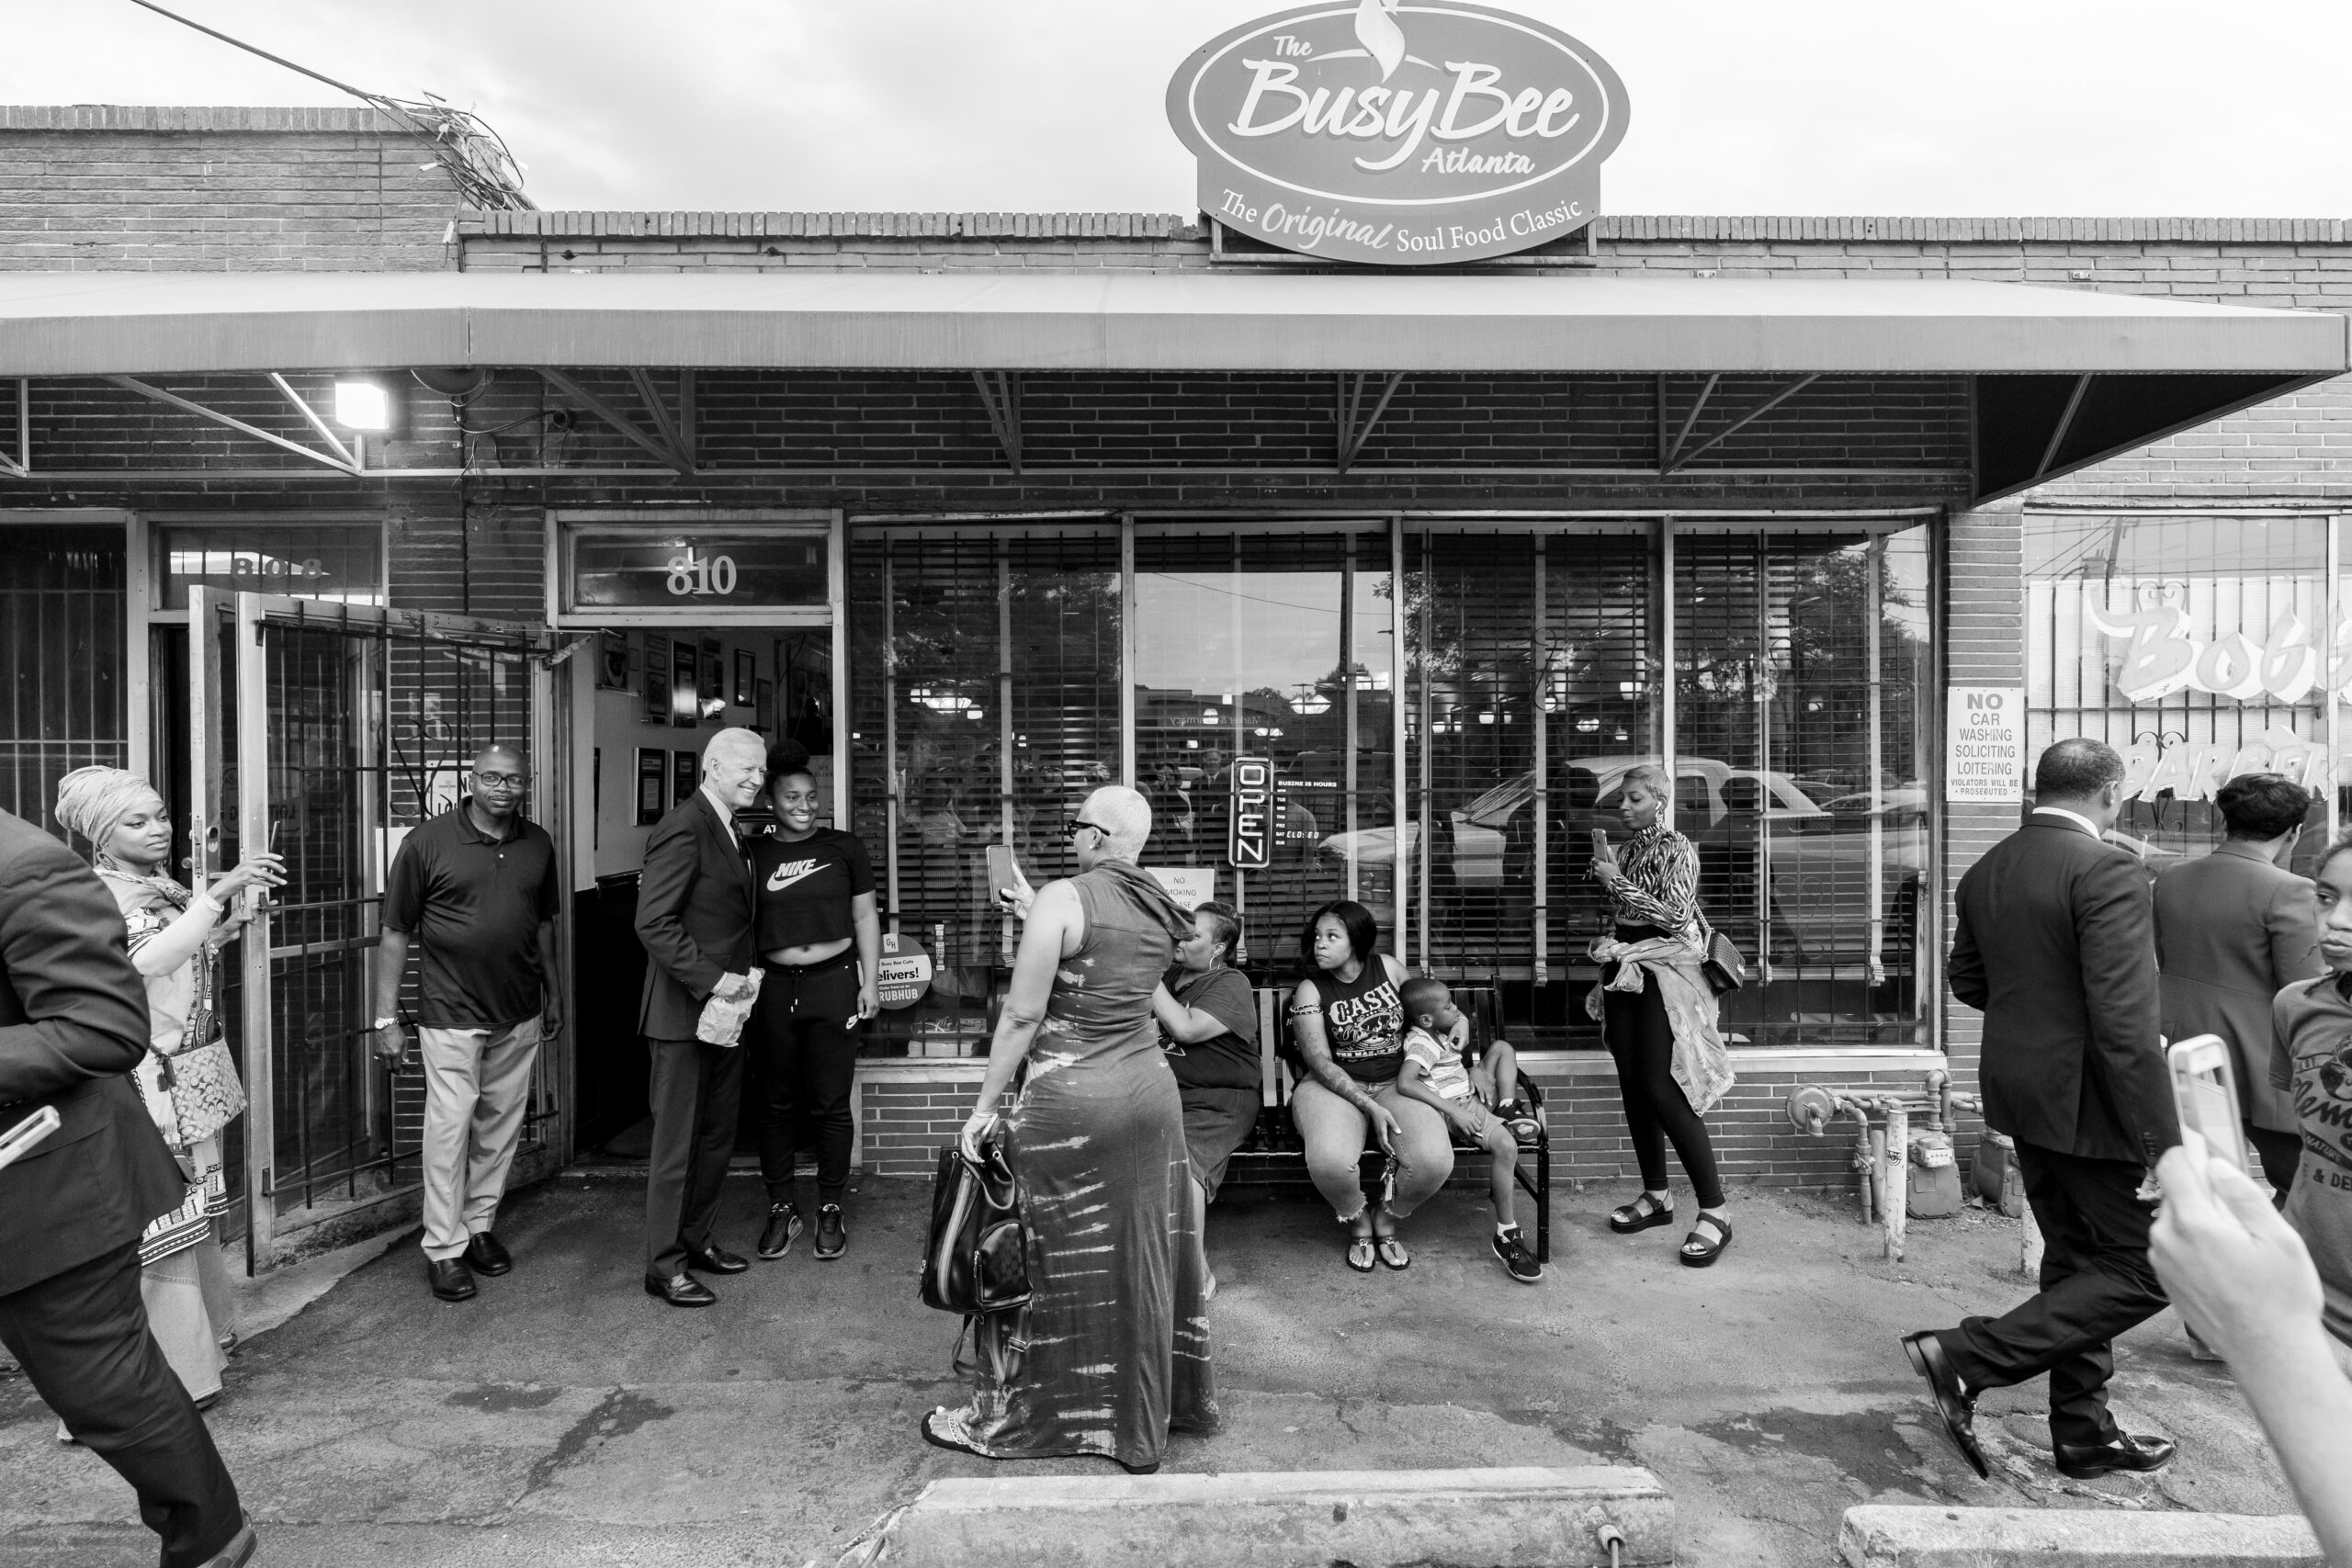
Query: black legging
[[807, 1058], [1642, 1041]]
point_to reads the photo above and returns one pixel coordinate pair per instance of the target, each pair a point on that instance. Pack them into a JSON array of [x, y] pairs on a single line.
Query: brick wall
[[95, 187]]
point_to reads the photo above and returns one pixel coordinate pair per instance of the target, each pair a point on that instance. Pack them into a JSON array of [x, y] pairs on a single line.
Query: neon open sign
[[1250, 844]]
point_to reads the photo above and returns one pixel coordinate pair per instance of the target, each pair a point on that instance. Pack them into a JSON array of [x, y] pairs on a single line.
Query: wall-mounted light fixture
[[363, 405]]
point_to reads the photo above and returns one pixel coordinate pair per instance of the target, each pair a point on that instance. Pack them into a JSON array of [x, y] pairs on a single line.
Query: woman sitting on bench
[[1347, 1022]]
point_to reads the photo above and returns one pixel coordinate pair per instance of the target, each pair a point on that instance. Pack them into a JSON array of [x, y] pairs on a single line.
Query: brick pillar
[[1983, 645]]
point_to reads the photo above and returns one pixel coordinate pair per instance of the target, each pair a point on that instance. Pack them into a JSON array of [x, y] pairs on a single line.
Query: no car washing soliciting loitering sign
[[1984, 745]]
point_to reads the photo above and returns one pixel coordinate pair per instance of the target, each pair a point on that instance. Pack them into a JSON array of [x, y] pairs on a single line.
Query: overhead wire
[[487, 174]]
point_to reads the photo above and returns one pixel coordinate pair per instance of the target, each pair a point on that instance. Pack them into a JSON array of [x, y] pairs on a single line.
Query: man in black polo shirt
[[477, 886]]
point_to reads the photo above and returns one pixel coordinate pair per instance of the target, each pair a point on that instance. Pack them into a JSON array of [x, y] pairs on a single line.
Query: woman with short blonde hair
[[1657, 1012]]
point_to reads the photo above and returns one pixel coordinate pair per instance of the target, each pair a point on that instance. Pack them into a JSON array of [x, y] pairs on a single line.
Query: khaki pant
[[477, 1086]]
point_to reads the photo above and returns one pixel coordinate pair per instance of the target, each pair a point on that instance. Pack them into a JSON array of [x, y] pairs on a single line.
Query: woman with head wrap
[[174, 940]]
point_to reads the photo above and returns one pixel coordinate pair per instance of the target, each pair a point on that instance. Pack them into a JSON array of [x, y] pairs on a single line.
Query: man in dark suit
[[2233, 928], [2056, 945], [695, 905], [72, 1022]]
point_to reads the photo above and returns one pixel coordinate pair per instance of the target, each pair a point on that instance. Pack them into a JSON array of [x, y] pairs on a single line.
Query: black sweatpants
[[1641, 1039], [801, 1030], [82, 1338], [2097, 1281]]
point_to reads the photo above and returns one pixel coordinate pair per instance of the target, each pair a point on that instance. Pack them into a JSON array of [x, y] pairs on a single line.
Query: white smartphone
[[19, 1140], [2205, 1090]]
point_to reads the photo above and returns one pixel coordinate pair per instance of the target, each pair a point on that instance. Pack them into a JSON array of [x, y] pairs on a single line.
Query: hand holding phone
[[2205, 1092]]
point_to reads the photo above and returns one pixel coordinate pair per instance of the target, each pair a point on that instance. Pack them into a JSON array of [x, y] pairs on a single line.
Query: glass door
[[330, 732]]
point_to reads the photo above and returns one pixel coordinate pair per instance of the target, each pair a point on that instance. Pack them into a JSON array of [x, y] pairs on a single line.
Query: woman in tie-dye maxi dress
[[1113, 1349]]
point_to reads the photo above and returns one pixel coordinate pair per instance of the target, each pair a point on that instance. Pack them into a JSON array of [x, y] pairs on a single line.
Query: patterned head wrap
[[93, 801]]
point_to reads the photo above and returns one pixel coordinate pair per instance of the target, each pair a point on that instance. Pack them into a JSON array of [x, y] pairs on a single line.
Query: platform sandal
[[1643, 1213], [1696, 1252]]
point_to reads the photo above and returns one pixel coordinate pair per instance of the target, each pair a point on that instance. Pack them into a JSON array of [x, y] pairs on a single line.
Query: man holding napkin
[[694, 905]]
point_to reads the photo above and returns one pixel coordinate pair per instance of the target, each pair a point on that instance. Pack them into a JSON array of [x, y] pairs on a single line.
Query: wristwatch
[[384, 1022]]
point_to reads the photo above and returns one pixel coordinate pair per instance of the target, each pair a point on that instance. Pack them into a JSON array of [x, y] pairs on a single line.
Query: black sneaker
[[832, 1236], [1510, 1247], [783, 1228]]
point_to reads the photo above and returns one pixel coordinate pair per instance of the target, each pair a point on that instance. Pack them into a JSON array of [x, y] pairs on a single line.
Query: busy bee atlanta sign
[[1398, 133]]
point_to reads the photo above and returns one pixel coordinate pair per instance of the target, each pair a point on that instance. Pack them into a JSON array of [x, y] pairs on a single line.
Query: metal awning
[[131, 323], [2062, 377]]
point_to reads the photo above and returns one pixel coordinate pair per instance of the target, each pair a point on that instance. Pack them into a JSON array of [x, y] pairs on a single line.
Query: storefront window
[[1800, 667], [1279, 648], [2197, 644], [61, 688], [988, 694]]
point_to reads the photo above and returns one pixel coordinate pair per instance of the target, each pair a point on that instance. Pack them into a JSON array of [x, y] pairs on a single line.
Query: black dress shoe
[[680, 1290], [485, 1255], [1953, 1403], [832, 1235], [716, 1260], [783, 1228], [239, 1552], [2083, 1460], [450, 1278]]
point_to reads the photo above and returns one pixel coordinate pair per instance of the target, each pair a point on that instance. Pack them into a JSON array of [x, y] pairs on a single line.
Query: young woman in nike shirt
[[820, 940]]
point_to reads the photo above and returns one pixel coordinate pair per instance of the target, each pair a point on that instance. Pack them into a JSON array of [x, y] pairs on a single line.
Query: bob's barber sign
[[1398, 133]]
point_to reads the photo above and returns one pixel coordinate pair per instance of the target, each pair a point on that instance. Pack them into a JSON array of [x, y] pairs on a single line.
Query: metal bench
[[1274, 1156]]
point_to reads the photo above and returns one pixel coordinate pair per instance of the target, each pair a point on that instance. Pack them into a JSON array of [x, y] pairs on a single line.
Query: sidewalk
[[565, 1417]]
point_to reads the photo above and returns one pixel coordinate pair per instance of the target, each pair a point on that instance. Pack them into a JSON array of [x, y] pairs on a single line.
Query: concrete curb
[[1876, 1537], [1521, 1517]]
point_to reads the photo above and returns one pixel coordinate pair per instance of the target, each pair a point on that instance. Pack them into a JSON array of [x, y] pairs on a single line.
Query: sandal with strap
[[947, 1421], [1643, 1213], [1359, 1254], [1697, 1252], [1392, 1252]]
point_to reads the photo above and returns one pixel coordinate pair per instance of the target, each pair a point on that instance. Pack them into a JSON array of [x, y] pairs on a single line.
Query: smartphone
[[2205, 1090], [1004, 877], [1600, 850], [18, 1141]]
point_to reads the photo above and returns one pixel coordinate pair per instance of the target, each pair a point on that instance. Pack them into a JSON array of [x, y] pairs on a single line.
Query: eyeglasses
[[1070, 828], [501, 781]]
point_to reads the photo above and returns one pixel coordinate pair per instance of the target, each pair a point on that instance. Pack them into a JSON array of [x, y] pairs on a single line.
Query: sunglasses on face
[[1071, 829]]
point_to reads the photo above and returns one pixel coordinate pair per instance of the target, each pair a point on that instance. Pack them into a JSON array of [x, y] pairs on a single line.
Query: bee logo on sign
[[1250, 844]]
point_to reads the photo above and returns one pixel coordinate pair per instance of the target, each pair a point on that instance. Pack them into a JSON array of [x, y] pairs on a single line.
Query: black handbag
[[977, 1258], [1724, 966]]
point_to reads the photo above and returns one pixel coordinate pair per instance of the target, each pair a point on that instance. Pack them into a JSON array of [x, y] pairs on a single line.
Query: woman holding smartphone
[[820, 936], [175, 937], [1658, 1013]]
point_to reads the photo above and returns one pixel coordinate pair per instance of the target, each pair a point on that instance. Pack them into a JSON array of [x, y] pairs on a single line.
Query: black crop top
[[805, 887]]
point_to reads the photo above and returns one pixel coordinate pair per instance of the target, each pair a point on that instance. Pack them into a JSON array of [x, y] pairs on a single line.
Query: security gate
[[329, 731]]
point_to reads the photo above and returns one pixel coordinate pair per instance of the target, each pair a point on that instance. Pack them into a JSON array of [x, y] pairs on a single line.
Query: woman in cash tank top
[[1347, 1022]]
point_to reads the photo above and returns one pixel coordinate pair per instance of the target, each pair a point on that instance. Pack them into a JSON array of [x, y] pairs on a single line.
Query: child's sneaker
[[1521, 1122], [1511, 1247]]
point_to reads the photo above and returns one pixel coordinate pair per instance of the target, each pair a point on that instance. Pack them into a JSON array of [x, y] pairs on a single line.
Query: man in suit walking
[[694, 905], [2056, 947], [2233, 928], [73, 1024]]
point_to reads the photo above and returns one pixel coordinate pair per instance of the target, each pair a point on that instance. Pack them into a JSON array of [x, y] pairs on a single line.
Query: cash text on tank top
[[1364, 1019]]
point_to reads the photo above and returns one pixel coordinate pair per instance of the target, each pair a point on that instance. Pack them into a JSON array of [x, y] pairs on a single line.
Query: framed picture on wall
[[747, 671], [685, 668], [612, 661], [684, 768], [763, 706], [714, 680], [652, 785], [657, 678]]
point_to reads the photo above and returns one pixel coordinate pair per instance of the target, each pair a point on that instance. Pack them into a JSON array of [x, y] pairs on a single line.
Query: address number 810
[[694, 574]]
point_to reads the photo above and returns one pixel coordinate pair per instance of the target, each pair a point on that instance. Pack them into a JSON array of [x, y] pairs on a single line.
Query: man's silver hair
[[749, 743], [1124, 815], [1653, 778]]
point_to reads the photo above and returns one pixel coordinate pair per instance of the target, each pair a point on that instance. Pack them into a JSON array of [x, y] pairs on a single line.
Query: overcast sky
[[1996, 106]]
